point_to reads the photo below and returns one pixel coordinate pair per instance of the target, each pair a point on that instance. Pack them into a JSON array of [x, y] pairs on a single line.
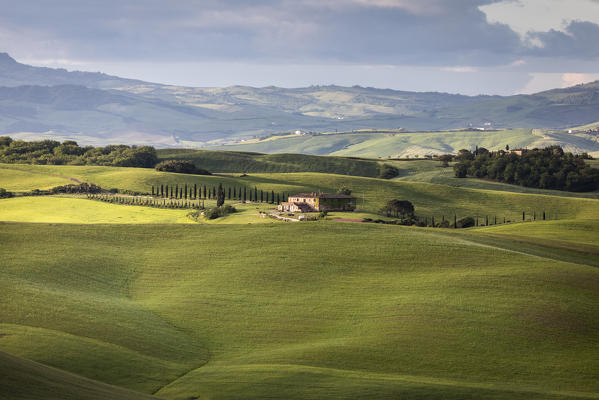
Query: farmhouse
[[310, 202]]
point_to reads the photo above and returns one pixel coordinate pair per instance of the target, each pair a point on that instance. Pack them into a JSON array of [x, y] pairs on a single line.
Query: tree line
[[53, 152], [404, 211], [548, 168], [239, 193]]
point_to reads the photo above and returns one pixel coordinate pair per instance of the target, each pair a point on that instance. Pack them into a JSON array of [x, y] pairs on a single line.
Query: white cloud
[[460, 69], [525, 16]]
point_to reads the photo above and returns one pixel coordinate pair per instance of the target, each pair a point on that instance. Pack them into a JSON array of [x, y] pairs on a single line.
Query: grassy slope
[[228, 161], [391, 144], [23, 380], [347, 311], [429, 199], [83, 211], [433, 172]]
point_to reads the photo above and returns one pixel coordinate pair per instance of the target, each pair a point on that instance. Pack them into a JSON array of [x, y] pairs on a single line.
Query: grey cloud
[[427, 32], [579, 41]]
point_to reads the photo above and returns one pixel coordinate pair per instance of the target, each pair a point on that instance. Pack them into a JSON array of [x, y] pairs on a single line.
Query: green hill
[[429, 199], [383, 144], [233, 161], [24, 380], [306, 311]]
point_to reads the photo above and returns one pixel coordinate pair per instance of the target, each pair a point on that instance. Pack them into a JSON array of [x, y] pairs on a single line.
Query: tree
[[272, 196], [445, 159], [398, 208], [220, 196], [388, 171], [244, 194], [344, 190], [461, 170], [180, 166]]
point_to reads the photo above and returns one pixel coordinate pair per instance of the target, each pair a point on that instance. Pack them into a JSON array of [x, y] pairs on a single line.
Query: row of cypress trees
[[148, 201], [196, 192]]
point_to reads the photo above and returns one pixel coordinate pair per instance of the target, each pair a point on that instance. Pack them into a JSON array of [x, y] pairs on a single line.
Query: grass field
[[246, 307], [230, 161], [392, 143], [306, 311], [429, 199], [25, 380], [82, 211]]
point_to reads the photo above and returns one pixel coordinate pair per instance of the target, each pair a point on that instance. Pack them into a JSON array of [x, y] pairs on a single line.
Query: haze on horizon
[[457, 46]]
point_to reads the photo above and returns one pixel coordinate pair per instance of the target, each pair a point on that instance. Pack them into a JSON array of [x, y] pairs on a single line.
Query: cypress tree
[[244, 194], [272, 196], [220, 196], [213, 192], [543, 215], [487, 220], [176, 191], [523, 215], [261, 196], [195, 191], [455, 221], [162, 190], [229, 193], [204, 197], [255, 194]]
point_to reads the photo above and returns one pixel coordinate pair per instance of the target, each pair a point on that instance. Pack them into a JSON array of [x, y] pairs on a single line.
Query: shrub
[[217, 212], [4, 194], [181, 167], [465, 222], [388, 171]]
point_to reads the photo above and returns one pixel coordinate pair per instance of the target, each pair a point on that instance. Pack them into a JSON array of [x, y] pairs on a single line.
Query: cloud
[[579, 40], [427, 32]]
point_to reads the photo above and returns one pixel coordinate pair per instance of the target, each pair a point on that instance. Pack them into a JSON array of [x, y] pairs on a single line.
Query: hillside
[[230, 161], [393, 144], [97, 108], [22, 379], [349, 311], [429, 199]]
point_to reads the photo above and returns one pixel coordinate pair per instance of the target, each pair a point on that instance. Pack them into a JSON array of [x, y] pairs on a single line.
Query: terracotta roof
[[323, 195]]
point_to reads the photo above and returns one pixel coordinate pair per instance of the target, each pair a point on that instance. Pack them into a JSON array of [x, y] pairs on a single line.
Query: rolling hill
[[22, 379], [349, 311], [97, 108]]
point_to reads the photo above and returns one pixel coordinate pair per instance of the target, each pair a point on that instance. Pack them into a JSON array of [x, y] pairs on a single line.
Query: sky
[[456, 46]]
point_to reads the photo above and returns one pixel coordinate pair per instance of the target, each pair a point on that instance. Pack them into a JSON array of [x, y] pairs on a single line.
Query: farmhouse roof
[[323, 195]]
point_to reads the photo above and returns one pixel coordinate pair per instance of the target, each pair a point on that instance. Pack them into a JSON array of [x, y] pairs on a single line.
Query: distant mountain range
[[99, 109]]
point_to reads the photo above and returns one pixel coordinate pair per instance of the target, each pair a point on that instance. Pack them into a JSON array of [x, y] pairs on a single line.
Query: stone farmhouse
[[312, 202]]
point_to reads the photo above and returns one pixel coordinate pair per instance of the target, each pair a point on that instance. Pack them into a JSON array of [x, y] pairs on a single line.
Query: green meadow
[[430, 199], [308, 310], [103, 300]]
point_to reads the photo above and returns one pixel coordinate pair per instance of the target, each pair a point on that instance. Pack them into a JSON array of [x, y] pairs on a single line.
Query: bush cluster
[[181, 166], [212, 213], [69, 152], [5, 194], [388, 171], [548, 168]]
